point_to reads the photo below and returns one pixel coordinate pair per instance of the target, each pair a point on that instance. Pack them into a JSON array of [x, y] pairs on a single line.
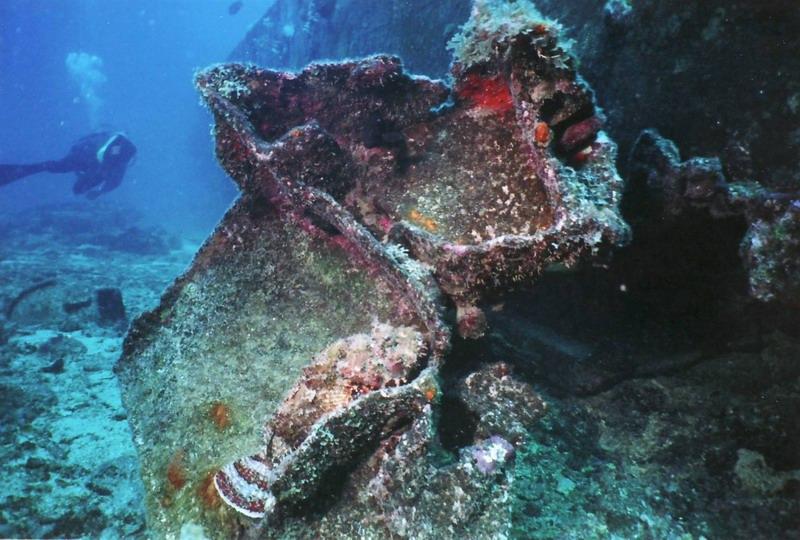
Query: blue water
[[148, 52]]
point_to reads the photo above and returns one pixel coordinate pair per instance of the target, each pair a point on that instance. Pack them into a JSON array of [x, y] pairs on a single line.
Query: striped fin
[[244, 485]]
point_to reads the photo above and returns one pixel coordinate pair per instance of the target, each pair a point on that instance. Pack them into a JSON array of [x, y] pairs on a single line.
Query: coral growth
[[492, 21], [427, 223], [491, 454], [220, 415], [176, 470], [541, 133], [771, 251], [490, 94]]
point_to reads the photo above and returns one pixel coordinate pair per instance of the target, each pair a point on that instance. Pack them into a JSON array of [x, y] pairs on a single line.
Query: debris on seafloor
[[371, 201], [110, 307], [25, 293], [56, 367], [59, 349], [74, 307]]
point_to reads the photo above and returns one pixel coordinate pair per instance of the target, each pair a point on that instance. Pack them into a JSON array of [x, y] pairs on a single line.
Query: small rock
[[565, 486], [110, 308], [56, 367], [757, 477], [35, 463]]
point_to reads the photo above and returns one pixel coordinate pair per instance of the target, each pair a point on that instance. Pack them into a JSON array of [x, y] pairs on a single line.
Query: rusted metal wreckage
[[377, 211]]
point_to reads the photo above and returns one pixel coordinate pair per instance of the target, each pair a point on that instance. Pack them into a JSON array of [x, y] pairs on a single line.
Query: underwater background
[[131, 70], [531, 272]]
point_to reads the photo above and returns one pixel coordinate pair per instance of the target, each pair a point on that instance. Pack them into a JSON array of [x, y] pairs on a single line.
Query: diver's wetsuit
[[99, 161]]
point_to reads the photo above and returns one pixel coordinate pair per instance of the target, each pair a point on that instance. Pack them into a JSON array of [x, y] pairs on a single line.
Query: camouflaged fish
[[347, 370]]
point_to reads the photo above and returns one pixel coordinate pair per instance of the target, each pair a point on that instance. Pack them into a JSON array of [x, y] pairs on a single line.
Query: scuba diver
[[98, 160]]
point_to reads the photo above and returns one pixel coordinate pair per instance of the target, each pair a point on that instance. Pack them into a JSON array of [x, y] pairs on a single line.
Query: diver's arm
[[109, 185]]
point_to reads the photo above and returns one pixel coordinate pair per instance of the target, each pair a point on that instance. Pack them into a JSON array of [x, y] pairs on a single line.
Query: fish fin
[[244, 485]]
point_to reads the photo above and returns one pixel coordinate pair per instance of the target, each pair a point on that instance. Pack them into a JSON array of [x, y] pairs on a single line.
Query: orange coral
[[418, 218], [430, 394], [176, 470], [220, 414], [540, 29], [430, 225], [207, 492], [541, 132]]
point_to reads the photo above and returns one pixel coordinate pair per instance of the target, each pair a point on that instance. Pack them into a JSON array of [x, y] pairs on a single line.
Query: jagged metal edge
[[422, 291]]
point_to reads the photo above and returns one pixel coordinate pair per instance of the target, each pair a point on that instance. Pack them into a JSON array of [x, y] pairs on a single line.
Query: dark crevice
[[675, 297], [457, 424], [321, 224], [337, 479], [551, 106], [259, 208]]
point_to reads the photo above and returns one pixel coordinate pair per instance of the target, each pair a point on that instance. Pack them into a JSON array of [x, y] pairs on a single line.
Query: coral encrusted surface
[[488, 182], [291, 379]]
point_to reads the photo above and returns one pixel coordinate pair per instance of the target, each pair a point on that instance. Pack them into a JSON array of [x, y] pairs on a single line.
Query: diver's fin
[[11, 173]]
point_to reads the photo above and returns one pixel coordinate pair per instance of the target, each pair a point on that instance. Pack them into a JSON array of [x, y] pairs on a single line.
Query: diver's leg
[[62, 165], [11, 173]]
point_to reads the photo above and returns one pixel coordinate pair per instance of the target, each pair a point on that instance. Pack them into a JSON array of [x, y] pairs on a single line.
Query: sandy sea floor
[[69, 464]]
